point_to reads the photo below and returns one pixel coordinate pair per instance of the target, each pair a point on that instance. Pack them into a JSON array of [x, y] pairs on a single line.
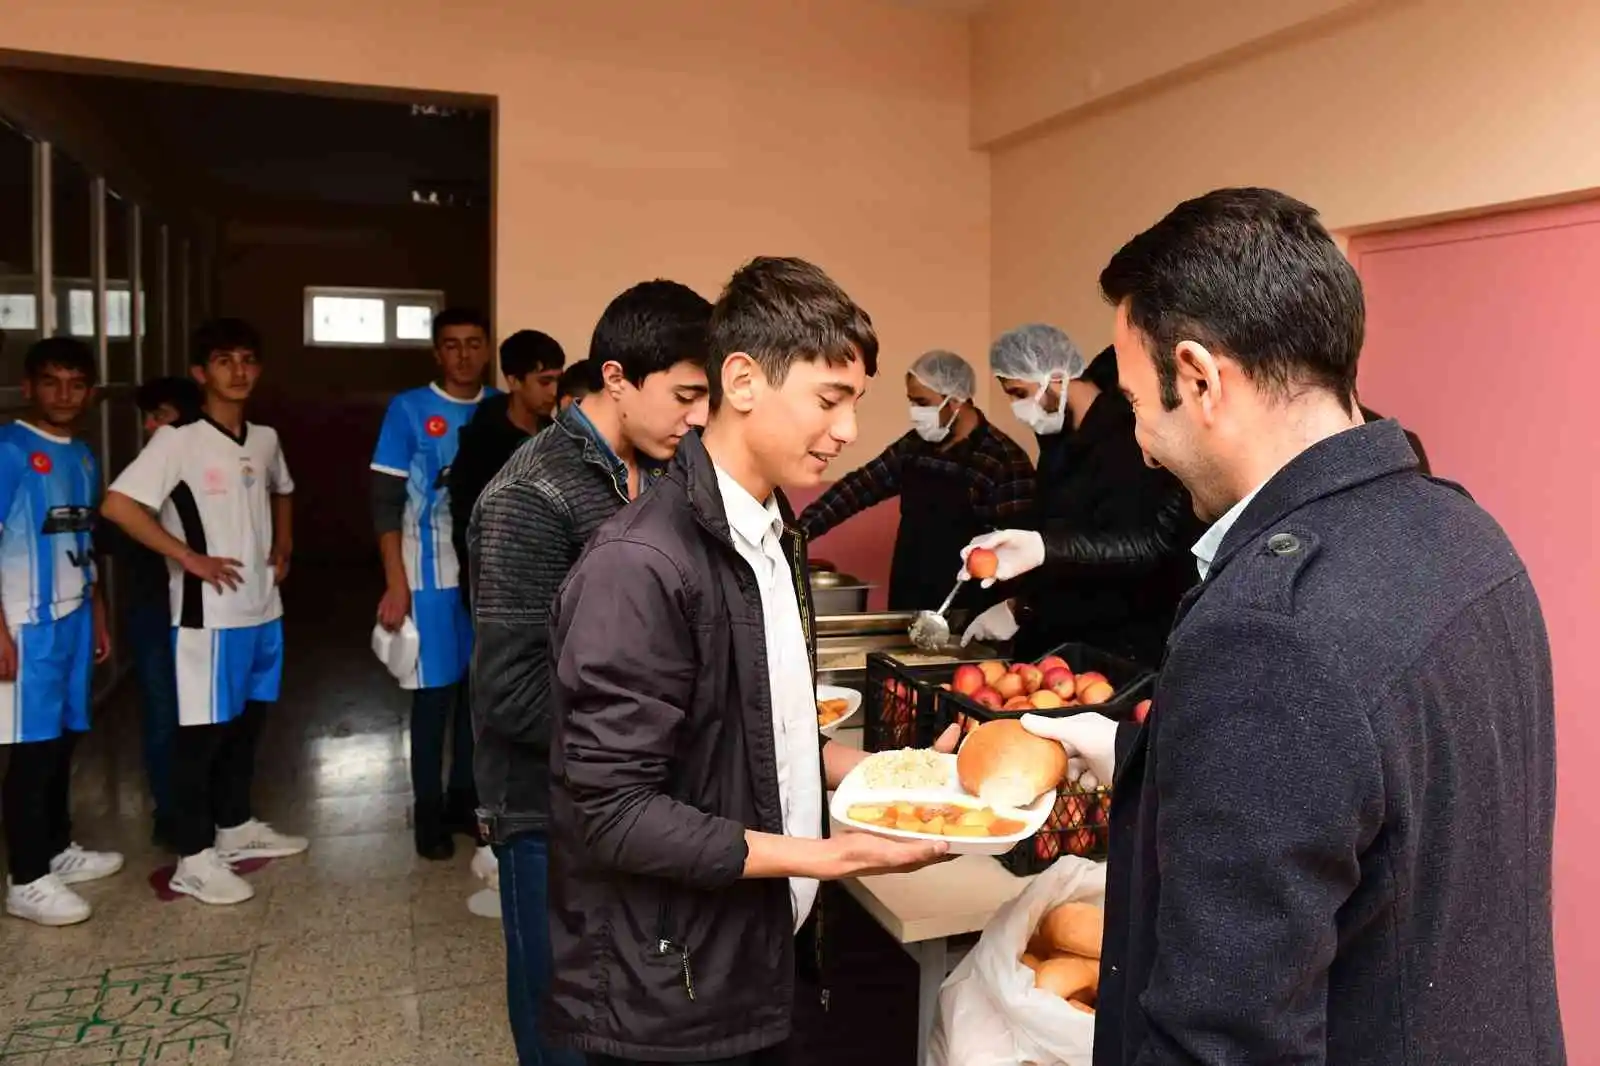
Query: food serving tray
[[854, 791]]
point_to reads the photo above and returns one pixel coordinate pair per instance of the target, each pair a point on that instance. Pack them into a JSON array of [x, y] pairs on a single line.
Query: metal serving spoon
[[929, 630]]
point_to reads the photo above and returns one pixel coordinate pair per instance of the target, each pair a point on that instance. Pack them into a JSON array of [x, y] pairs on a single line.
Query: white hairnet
[[946, 373], [1036, 352]]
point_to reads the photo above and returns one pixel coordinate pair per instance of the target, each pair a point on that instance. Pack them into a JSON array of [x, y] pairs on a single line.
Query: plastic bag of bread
[[992, 1010]]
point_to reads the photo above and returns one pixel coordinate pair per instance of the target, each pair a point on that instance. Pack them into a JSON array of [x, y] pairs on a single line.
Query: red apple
[[1045, 700], [1054, 662], [1018, 703], [993, 670], [1011, 685], [1097, 692], [1141, 711], [982, 564], [1032, 677], [988, 697], [968, 679], [1060, 681], [1087, 678]]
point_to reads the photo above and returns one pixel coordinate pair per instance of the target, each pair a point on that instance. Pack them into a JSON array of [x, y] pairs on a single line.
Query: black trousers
[[213, 768], [36, 806]]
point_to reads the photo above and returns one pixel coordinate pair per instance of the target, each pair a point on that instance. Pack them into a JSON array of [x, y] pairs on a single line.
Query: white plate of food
[[836, 706], [917, 795]]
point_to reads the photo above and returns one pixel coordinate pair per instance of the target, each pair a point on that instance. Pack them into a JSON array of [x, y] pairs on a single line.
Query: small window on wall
[[370, 318]]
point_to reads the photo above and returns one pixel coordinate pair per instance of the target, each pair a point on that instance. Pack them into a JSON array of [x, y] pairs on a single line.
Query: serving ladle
[[929, 630]]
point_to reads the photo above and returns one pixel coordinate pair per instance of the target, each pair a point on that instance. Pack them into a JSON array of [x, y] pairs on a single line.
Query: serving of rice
[[908, 768]]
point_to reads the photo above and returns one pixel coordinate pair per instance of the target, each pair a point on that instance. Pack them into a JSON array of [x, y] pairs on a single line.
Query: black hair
[[1102, 370], [578, 380], [223, 335], [782, 310], [68, 353], [650, 328], [458, 316], [181, 394], [529, 351], [1251, 274]]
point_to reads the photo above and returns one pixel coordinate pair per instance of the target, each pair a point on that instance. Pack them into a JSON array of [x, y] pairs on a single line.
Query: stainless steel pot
[[833, 593]]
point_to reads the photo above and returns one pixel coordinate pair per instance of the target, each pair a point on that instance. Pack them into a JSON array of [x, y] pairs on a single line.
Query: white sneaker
[[257, 840], [484, 903], [78, 864], [46, 902], [208, 879], [486, 867]]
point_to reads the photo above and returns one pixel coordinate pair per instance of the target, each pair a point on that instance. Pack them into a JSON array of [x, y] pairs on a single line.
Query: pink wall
[[1481, 337]]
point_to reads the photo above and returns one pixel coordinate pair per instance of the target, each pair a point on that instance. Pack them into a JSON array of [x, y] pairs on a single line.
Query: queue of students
[[1349, 752]]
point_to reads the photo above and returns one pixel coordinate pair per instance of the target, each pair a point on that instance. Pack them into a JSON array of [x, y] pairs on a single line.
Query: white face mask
[[925, 420], [1032, 414]]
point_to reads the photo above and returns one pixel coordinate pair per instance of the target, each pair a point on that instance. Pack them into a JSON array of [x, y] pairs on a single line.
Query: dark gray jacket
[[663, 756], [528, 528], [1331, 842]]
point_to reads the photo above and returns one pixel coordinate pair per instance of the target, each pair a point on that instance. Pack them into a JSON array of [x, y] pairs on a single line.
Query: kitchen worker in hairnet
[[956, 476], [1107, 555]]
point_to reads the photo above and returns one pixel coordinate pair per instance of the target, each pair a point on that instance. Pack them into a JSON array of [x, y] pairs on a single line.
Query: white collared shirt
[[757, 528], [1205, 549]]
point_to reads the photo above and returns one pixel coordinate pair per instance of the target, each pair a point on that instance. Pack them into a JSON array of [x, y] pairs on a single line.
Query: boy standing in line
[[687, 779], [531, 362], [147, 613], [223, 491], [411, 511], [48, 633]]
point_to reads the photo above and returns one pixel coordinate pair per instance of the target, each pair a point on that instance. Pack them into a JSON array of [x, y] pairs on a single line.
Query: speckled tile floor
[[357, 952]]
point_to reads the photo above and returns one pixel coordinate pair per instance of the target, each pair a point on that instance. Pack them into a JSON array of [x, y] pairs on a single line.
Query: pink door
[[1483, 337]]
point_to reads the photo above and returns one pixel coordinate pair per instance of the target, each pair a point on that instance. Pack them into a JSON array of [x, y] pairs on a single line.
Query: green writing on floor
[[175, 1011]]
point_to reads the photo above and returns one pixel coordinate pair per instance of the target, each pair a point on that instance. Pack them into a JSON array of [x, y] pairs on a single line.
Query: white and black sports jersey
[[213, 491]]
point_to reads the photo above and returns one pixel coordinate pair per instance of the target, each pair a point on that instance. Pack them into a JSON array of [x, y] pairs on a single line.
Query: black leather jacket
[[1117, 535]]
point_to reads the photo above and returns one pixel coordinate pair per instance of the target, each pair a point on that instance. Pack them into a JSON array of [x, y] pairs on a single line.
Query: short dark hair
[[223, 335], [181, 394], [529, 351], [651, 327], [1250, 273], [578, 380], [782, 310], [459, 316], [68, 353]]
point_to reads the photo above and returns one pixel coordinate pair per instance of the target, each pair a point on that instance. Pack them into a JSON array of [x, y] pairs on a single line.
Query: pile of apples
[[1046, 685]]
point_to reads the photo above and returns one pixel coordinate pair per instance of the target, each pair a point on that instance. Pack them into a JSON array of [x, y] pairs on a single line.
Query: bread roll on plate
[[1006, 766]]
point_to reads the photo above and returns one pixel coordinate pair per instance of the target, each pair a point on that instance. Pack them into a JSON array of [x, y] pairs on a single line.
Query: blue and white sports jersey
[[49, 489], [418, 442]]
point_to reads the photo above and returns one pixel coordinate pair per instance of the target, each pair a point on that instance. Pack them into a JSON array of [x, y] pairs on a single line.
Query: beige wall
[[1408, 110], [636, 140]]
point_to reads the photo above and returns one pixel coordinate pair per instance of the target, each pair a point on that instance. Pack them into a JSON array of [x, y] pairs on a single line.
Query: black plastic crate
[[1080, 822], [900, 708]]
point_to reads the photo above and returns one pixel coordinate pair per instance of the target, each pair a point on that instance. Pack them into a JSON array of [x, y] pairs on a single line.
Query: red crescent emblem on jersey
[[40, 462], [437, 426]]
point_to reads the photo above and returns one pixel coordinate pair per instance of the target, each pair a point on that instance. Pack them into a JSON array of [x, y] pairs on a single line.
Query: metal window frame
[[392, 299]]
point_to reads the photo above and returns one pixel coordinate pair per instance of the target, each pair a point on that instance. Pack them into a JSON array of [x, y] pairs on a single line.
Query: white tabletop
[[951, 899]]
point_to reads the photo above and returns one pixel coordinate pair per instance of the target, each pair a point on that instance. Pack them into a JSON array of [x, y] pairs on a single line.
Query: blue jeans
[[525, 915], [148, 631]]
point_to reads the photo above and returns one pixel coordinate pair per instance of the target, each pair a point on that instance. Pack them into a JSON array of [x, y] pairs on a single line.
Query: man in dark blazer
[[1331, 840]]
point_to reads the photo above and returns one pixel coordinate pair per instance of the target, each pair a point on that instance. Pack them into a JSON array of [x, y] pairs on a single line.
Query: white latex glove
[[1016, 550], [1087, 735], [997, 623]]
